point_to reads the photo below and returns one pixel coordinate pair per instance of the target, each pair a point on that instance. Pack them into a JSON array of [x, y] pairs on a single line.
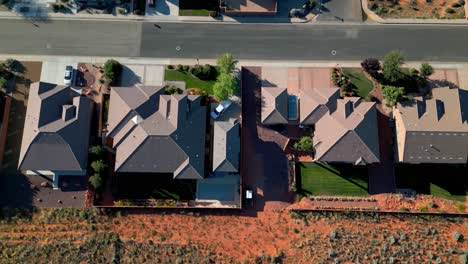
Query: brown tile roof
[[274, 105], [349, 134], [315, 103]]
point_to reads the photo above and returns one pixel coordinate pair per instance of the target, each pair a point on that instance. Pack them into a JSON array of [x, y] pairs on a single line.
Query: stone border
[[373, 16], [389, 212]]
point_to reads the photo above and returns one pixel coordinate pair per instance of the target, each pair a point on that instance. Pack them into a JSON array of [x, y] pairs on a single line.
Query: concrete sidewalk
[[153, 17]]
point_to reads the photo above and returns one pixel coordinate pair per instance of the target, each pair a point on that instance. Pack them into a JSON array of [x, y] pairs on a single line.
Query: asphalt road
[[246, 41]]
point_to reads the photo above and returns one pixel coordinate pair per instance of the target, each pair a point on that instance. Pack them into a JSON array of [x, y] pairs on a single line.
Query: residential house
[[157, 133], [349, 134], [56, 132], [345, 129], [434, 129]]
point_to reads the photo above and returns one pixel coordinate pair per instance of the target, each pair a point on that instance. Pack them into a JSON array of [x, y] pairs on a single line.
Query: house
[[349, 134], [226, 146], [433, 130], [56, 132], [156, 133]]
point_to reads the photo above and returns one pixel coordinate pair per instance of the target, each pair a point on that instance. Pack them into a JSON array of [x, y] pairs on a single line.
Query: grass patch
[[445, 181], [325, 179], [362, 85], [197, 8], [190, 80]]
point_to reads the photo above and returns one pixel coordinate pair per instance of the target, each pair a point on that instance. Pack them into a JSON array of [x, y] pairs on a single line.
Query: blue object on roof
[[292, 107]]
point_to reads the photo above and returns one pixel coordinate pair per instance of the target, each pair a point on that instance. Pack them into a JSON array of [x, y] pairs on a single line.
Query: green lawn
[[445, 181], [197, 8], [190, 80], [324, 179], [362, 85]]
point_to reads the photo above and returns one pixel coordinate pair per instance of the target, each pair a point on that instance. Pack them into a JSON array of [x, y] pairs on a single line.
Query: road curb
[[416, 21]]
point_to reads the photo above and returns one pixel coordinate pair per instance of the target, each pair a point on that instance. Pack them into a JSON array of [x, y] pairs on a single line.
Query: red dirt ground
[[424, 9]]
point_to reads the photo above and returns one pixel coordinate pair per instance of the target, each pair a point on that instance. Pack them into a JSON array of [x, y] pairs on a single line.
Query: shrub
[[333, 234], [112, 70], [423, 208], [426, 70], [304, 143], [98, 166], [171, 89], [460, 207], [185, 68], [205, 72], [392, 66], [98, 150], [180, 67], [449, 10], [404, 209], [96, 181], [3, 82], [456, 5], [170, 67], [198, 91], [371, 66], [457, 236], [393, 94]]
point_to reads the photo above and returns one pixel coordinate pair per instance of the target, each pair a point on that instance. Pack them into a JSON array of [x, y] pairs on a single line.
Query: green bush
[[304, 143], [180, 67], [456, 5], [171, 89], [393, 94], [226, 63], [98, 166], [3, 82], [205, 72], [225, 86], [457, 236], [426, 70], [423, 208], [449, 10], [392, 66], [170, 67], [112, 70], [96, 181]]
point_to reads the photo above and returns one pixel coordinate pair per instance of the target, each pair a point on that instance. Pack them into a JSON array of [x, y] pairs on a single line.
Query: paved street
[[246, 41]]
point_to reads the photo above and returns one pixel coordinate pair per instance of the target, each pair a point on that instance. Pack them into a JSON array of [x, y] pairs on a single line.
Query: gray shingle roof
[[56, 130], [226, 147], [436, 129], [156, 133]]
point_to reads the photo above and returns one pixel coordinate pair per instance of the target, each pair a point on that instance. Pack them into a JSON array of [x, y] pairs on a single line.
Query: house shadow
[[129, 78]]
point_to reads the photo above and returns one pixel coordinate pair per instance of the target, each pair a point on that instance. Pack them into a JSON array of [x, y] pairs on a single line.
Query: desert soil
[[268, 237], [423, 9]]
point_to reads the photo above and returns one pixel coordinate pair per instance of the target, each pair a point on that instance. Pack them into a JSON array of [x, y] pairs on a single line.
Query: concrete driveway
[[340, 10], [151, 75], [53, 71]]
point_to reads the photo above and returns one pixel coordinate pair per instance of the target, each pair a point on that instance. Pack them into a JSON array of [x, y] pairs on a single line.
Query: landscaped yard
[[324, 179], [362, 85], [190, 80], [448, 182], [418, 8], [197, 8]]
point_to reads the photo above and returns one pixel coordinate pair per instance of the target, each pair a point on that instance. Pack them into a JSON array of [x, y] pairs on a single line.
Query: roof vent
[[137, 119]]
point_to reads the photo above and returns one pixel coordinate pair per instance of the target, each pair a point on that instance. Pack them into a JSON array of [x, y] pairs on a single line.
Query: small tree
[[112, 69], [393, 94], [225, 86], [14, 66], [98, 166], [304, 143], [96, 181], [392, 66], [3, 82], [226, 63], [426, 70], [371, 66]]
